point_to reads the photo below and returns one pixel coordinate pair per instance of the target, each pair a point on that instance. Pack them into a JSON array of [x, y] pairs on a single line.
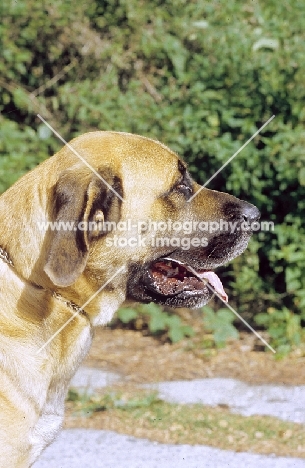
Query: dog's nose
[[249, 212]]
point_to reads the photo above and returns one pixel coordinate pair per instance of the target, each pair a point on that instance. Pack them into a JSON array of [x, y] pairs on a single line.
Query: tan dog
[[49, 275]]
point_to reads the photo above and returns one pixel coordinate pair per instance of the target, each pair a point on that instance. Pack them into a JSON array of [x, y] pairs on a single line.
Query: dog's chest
[[52, 411]]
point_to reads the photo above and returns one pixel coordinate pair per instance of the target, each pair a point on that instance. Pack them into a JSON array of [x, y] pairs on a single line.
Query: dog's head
[[137, 207]]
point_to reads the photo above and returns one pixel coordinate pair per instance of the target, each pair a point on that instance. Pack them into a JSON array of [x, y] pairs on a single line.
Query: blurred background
[[200, 76]]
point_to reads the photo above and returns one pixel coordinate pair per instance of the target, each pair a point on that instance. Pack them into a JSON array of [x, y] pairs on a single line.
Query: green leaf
[[220, 323], [20, 98], [176, 334], [158, 322], [225, 333], [302, 176], [226, 315], [188, 331], [151, 308], [126, 315]]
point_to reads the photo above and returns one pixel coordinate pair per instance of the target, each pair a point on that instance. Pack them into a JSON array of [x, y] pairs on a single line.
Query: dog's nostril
[[249, 212]]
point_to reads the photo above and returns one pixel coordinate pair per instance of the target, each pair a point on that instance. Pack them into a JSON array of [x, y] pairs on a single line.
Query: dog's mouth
[[170, 277]]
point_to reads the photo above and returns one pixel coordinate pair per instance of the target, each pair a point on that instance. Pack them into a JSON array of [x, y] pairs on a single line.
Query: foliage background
[[202, 77]]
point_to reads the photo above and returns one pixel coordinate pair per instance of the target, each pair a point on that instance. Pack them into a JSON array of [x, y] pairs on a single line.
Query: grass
[[135, 412]]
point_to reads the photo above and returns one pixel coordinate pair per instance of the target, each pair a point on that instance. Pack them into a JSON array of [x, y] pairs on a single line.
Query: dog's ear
[[79, 199]]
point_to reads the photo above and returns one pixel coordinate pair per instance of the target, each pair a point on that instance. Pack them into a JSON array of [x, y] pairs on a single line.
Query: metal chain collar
[[5, 257], [70, 304]]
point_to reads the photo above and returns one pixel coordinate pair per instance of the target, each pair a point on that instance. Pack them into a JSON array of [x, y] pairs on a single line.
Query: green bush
[[220, 323], [158, 321], [284, 329], [201, 77]]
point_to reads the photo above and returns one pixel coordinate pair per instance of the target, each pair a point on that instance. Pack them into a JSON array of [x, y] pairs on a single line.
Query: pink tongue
[[215, 282]]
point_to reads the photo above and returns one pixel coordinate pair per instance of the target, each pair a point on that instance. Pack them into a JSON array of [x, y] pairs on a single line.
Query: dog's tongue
[[215, 282], [205, 276]]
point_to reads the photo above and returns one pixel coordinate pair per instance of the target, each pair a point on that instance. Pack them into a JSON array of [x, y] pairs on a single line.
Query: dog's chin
[[168, 281]]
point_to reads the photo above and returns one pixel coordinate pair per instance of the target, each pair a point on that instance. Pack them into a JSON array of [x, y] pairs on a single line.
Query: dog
[[58, 284]]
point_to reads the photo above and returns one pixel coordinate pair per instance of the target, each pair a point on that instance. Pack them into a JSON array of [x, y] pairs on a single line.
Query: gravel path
[[281, 401], [287, 403], [83, 448], [77, 448]]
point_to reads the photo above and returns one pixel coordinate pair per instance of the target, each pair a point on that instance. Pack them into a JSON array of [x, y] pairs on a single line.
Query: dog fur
[[52, 273]]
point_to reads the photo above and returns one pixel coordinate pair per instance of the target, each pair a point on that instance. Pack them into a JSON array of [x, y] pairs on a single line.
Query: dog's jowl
[[80, 240]]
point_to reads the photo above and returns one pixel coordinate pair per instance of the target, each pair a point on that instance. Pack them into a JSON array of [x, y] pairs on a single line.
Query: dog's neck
[[6, 258]]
